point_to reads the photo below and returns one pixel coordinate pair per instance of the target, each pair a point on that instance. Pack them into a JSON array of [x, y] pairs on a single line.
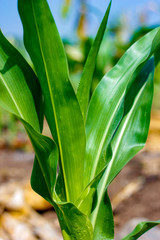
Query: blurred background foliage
[[118, 38]]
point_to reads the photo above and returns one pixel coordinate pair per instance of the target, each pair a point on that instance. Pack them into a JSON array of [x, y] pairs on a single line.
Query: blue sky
[[11, 25]]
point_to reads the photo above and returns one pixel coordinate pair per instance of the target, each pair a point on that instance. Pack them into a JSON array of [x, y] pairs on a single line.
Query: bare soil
[[143, 202]]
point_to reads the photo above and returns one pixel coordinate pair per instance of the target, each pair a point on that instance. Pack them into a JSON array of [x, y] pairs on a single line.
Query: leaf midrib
[[52, 101], [11, 95], [103, 139]]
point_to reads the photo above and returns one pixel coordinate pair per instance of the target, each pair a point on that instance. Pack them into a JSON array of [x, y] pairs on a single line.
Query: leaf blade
[[104, 225], [45, 164], [134, 124], [83, 90], [140, 229], [62, 108], [21, 95], [18, 84], [131, 134], [107, 103]]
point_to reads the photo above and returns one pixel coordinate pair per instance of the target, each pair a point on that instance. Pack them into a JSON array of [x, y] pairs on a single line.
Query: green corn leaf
[[60, 187], [20, 92], [44, 172], [107, 103], [140, 229], [38, 183], [85, 201], [104, 225], [47, 156], [63, 113], [157, 57], [16, 97], [83, 91], [17, 85], [74, 224], [131, 134]]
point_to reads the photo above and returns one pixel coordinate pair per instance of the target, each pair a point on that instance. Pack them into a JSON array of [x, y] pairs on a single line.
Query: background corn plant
[[93, 138]]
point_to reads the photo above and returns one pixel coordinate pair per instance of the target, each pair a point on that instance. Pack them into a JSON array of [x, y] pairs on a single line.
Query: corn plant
[[92, 137]]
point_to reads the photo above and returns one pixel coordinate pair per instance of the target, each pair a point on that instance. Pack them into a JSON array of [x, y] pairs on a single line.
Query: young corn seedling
[[92, 138]]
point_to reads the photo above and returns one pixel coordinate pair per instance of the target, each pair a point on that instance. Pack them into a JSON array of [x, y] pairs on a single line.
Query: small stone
[[16, 202], [12, 196], [34, 200]]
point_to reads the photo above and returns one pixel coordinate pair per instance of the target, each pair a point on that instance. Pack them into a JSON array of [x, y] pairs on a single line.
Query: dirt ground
[[134, 193]]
